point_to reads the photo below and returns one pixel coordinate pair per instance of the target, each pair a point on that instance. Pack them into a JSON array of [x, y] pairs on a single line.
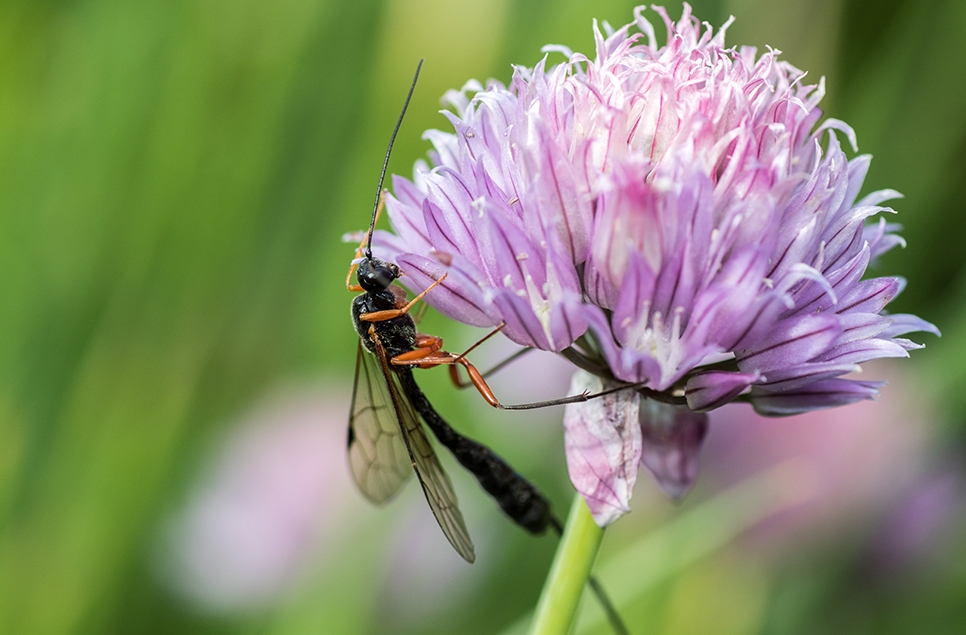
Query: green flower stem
[[568, 575]]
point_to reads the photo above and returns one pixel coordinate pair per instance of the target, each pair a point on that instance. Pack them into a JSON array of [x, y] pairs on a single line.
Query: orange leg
[[424, 355], [430, 359], [440, 358], [419, 313], [498, 328], [455, 375], [388, 314], [478, 382], [428, 341], [426, 346], [454, 370], [428, 354], [355, 288], [359, 251]]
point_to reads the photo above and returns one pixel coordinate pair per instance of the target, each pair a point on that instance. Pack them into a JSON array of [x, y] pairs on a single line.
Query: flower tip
[[676, 491], [676, 487], [822, 394], [672, 438], [710, 390], [443, 257], [566, 51], [837, 124], [353, 237]]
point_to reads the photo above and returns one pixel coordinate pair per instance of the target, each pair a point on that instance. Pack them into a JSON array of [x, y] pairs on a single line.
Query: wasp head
[[376, 275]]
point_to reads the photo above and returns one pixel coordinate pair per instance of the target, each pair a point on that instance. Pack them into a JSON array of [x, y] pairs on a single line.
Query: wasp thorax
[[376, 275]]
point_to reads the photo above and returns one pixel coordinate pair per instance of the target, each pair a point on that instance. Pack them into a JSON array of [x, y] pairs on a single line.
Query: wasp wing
[[378, 457], [384, 431]]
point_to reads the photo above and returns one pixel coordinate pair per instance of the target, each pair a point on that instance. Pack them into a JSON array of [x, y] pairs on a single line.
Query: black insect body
[[385, 427], [397, 334]]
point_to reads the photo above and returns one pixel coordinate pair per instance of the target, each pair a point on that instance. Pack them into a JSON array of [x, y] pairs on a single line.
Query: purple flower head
[[676, 216]]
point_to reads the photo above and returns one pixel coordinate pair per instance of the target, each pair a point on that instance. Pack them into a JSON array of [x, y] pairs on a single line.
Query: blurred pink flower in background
[[919, 532], [858, 461], [421, 574], [273, 494]]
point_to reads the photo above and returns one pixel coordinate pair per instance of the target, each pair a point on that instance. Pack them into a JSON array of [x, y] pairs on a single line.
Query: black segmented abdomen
[[518, 498]]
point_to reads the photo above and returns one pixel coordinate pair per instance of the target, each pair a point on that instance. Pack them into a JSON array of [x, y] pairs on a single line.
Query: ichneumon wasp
[[386, 439]]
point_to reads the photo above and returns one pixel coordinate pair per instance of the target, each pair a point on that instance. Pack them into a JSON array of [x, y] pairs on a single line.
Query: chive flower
[[677, 217]]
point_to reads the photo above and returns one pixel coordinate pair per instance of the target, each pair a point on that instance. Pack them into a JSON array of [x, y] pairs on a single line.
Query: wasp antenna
[[385, 163]]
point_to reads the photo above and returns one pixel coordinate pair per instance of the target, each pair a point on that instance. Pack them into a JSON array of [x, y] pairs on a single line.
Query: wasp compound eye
[[376, 275]]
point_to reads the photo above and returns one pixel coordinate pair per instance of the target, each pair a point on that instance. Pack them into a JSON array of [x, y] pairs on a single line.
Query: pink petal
[[713, 389], [672, 437], [603, 447]]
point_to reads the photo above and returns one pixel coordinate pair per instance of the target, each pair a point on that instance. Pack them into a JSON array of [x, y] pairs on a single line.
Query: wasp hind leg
[[429, 357]]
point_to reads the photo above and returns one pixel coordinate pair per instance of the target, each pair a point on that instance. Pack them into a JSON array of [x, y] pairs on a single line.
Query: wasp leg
[[420, 313], [355, 288], [454, 371], [460, 383], [388, 314], [426, 358], [496, 330], [426, 347], [429, 341]]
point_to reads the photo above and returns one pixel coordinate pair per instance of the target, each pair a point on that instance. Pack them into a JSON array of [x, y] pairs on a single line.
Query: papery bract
[[603, 447]]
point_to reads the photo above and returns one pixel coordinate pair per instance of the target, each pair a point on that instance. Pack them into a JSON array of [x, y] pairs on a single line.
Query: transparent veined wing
[[387, 443], [378, 458]]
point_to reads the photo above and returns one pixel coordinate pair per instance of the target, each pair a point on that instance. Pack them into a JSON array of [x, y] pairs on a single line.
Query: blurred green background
[[175, 178]]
